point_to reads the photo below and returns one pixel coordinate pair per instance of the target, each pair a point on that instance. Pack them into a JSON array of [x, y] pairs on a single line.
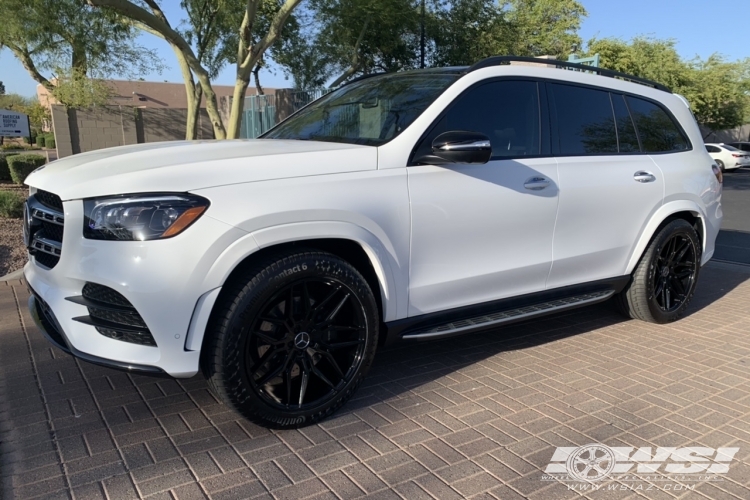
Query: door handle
[[642, 176], [536, 183]]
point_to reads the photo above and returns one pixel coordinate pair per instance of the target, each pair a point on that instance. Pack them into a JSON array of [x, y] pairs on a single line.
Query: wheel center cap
[[665, 272], [302, 340]]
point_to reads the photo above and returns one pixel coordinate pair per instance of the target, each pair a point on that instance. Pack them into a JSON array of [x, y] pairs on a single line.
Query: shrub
[[11, 146], [40, 140], [4, 171], [50, 141], [11, 205], [21, 166]]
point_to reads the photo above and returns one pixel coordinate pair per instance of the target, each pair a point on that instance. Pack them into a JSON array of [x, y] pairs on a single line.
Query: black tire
[[323, 354], [664, 271], [720, 164]]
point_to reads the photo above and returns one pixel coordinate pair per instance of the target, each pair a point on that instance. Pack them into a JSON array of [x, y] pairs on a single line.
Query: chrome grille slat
[[44, 223]]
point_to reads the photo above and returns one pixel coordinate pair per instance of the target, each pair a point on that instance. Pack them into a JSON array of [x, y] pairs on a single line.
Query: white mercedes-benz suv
[[407, 206]]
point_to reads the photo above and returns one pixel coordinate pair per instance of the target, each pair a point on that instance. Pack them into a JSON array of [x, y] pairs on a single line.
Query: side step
[[510, 316]]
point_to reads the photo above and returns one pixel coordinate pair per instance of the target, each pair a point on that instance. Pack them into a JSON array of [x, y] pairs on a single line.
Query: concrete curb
[[729, 266], [15, 275]]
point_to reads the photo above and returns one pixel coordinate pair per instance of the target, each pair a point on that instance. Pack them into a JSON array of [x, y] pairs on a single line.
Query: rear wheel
[[292, 339], [720, 164], [664, 281]]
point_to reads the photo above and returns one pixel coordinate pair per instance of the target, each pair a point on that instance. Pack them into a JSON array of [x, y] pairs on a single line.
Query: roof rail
[[500, 60]]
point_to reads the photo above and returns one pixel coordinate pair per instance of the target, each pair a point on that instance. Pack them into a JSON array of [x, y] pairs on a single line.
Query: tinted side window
[[626, 136], [506, 111], [713, 149], [584, 119], [656, 129]]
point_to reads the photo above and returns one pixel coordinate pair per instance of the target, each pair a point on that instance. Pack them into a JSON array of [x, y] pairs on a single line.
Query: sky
[[685, 21]]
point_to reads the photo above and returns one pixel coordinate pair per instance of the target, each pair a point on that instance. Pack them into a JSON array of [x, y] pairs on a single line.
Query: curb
[[729, 266], [15, 275]]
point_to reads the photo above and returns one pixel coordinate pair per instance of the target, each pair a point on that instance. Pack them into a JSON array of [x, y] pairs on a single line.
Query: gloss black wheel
[[306, 344], [291, 339], [674, 272], [663, 282]]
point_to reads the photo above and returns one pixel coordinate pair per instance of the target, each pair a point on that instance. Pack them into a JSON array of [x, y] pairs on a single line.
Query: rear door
[[608, 188]]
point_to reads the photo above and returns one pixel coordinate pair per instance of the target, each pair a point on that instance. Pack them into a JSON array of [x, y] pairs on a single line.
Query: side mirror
[[462, 147]]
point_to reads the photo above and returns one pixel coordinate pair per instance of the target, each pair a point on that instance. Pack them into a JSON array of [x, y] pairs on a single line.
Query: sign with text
[[14, 124]]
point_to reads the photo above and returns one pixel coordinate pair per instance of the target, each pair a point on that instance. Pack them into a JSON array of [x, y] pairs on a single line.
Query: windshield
[[370, 112]]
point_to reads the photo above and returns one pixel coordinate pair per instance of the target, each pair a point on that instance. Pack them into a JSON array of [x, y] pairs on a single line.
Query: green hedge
[[50, 142], [40, 140], [11, 204], [21, 166], [4, 171]]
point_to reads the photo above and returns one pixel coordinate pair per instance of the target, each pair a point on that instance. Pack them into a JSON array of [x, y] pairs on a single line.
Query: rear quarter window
[[657, 130]]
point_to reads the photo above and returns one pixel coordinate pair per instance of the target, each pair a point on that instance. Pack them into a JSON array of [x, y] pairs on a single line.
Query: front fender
[[389, 269]]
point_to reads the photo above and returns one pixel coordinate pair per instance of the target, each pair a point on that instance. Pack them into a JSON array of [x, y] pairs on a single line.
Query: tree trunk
[[79, 62], [257, 80], [190, 93], [238, 106], [212, 107]]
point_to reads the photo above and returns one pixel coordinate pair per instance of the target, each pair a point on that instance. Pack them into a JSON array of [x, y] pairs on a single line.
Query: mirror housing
[[460, 146]]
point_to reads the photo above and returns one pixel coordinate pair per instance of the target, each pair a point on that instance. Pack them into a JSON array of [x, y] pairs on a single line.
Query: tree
[[716, 89], [469, 31], [364, 36], [69, 38], [2, 88], [466, 31], [544, 27], [249, 52]]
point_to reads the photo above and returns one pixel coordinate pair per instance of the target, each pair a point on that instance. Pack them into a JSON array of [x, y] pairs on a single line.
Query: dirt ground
[[12, 252]]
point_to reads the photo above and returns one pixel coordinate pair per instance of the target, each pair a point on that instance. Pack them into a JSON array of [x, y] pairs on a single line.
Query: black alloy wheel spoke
[[304, 359], [675, 268], [332, 361]]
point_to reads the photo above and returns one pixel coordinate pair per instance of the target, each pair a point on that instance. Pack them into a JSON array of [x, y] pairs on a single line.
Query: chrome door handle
[[536, 183], [642, 176]]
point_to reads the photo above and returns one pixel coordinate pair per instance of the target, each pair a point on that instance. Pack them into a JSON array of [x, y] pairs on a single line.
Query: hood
[[181, 166]]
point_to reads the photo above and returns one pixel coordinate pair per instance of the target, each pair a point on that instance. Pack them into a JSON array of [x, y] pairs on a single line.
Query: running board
[[510, 315]]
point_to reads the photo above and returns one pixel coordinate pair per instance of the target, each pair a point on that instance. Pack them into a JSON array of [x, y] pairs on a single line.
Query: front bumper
[[164, 280], [47, 323]]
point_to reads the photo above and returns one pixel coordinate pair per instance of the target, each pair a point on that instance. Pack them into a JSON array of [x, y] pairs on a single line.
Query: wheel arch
[[687, 211]]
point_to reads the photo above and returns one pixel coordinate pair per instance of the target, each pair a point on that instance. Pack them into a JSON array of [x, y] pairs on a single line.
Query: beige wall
[[150, 94], [79, 131]]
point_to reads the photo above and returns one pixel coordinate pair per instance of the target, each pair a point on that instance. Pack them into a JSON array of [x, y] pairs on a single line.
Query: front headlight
[[140, 217]]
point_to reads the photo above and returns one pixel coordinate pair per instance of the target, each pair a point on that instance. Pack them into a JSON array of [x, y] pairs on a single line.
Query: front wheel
[[292, 339], [664, 281]]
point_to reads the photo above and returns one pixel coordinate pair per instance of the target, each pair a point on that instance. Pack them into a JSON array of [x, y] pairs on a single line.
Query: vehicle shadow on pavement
[[408, 366]]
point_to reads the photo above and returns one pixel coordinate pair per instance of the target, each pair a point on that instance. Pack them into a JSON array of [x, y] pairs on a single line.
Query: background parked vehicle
[[742, 145], [728, 157]]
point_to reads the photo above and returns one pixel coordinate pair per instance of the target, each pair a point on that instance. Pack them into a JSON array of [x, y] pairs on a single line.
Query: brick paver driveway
[[478, 415]]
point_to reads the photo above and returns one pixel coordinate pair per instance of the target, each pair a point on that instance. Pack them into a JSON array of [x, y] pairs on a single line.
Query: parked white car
[[728, 157], [400, 207]]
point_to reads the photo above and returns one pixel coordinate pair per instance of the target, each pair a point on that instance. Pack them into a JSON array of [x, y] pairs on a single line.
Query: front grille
[[46, 259], [49, 200], [113, 315], [52, 231], [45, 228]]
